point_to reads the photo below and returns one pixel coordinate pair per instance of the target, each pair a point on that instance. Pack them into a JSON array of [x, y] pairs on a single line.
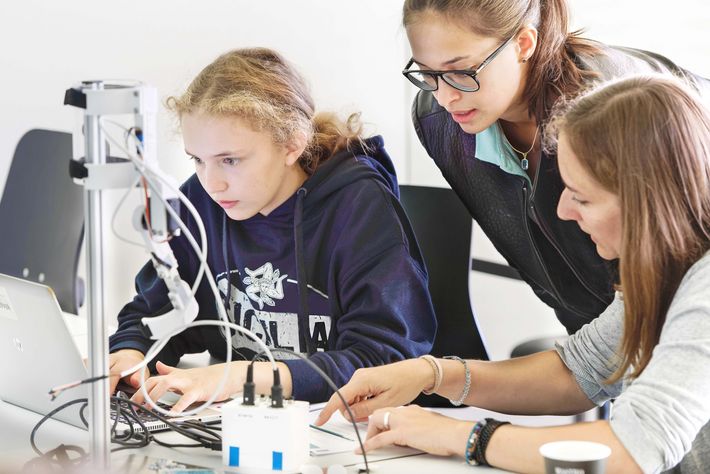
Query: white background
[[350, 51]]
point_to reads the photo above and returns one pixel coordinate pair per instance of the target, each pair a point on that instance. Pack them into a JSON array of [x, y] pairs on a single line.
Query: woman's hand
[[417, 428], [195, 385], [388, 385], [124, 360]]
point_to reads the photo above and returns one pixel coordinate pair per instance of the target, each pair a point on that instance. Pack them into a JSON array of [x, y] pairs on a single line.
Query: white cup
[[575, 457]]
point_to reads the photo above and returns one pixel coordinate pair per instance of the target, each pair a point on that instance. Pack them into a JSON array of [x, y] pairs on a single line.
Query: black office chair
[[42, 212], [443, 229]]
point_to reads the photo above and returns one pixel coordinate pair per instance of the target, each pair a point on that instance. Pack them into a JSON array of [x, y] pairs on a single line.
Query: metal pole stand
[[99, 99]]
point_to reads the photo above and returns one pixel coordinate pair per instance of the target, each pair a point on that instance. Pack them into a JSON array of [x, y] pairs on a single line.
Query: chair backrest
[[443, 229], [42, 215]]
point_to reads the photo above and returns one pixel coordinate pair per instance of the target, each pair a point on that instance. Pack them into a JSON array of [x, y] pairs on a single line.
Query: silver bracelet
[[467, 382]]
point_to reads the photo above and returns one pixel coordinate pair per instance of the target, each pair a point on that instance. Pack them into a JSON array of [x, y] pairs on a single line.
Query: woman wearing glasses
[[649, 350], [489, 73]]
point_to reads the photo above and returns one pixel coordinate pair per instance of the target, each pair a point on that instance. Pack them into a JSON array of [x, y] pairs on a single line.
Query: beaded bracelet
[[438, 373], [484, 437], [471, 444], [466, 384]]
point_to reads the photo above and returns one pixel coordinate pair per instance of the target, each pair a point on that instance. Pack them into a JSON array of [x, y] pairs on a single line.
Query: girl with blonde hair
[[307, 239]]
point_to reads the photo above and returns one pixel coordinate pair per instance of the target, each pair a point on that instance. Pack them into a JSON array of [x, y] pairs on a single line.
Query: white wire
[[146, 171], [224, 323], [125, 195], [115, 213], [201, 252]]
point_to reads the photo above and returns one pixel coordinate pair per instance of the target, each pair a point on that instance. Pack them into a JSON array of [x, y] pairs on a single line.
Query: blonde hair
[[647, 140], [261, 87], [553, 71]]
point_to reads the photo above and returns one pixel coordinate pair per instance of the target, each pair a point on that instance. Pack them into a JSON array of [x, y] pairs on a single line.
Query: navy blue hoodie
[[339, 254]]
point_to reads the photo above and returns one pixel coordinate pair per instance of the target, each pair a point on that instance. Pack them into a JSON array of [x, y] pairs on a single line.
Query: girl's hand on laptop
[[197, 384], [123, 360]]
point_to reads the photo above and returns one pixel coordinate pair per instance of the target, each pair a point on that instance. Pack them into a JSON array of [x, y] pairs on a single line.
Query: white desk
[[16, 425]]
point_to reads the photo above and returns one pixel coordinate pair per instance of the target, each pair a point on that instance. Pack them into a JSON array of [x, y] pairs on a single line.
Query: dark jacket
[[342, 242], [554, 257]]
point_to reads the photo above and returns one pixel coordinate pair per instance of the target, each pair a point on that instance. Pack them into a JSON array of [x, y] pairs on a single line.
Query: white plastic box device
[[263, 437]]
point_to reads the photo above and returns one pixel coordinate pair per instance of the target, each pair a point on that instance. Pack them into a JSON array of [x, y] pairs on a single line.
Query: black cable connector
[[277, 391], [249, 389]]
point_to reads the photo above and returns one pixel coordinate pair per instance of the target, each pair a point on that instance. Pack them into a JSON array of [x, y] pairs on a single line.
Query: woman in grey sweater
[[635, 159]]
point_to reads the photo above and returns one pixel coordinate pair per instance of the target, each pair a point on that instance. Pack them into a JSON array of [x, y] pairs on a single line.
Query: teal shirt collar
[[492, 147]]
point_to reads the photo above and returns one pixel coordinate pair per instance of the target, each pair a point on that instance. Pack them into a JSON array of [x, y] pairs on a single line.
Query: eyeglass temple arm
[[493, 55]]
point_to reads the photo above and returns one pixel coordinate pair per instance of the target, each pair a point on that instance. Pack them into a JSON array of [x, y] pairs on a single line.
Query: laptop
[[37, 353]]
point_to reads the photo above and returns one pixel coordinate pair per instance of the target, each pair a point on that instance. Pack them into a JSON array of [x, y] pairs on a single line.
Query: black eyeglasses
[[465, 80]]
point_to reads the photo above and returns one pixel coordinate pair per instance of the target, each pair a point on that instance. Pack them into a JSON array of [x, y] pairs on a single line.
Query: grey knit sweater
[[662, 416]]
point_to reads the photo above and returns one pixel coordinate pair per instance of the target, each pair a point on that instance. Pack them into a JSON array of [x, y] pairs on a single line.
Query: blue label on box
[[277, 460], [233, 456]]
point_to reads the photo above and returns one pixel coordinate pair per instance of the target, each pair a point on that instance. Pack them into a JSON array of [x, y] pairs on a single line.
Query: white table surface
[[16, 425]]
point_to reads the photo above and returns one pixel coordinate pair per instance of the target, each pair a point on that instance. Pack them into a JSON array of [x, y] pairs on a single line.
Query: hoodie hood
[[346, 167], [367, 160]]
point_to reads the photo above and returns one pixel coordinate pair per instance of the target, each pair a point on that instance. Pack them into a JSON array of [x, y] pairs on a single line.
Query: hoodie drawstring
[[225, 255], [304, 329]]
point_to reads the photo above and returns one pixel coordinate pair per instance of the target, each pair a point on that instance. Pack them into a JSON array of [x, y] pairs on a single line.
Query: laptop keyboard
[[142, 414], [128, 418]]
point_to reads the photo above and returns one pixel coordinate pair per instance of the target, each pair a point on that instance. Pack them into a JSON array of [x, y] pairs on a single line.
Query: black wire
[[47, 459], [117, 416], [204, 441], [82, 416], [58, 457], [202, 426], [204, 436], [55, 393], [330, 383], [47, 417], [119, 411], [131, 431], [160, 260]]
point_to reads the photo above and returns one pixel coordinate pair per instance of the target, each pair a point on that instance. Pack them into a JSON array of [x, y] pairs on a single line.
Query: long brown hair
[[260, 86], [553, 71], [647, 140]]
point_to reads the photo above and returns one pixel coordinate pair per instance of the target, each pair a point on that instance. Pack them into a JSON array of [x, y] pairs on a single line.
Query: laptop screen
[[36, 349], [38, 353]]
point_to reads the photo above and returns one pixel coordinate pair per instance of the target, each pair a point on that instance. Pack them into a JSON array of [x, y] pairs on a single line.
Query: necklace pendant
[[524, 164]]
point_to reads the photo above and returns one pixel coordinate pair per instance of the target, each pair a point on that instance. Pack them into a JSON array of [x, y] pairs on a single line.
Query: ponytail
[[553, 71], [330, 136]]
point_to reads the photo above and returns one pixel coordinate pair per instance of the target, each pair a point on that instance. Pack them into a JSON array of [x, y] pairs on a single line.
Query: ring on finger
[[386, 422]]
